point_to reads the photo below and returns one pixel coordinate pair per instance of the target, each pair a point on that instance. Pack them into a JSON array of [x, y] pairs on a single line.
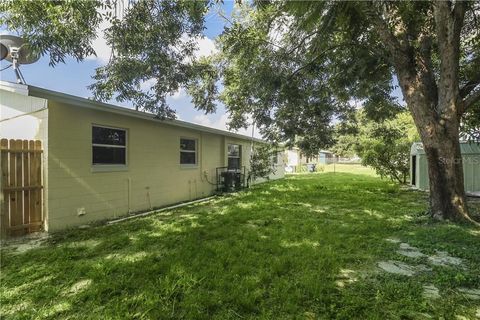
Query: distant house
[[471, 166], [296, 159], [325, 157], [100, 161]]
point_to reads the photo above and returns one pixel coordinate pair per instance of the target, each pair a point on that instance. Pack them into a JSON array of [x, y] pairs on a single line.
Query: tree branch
[[449, 19], [398, 51], [471, 99], [302, 41], [470, 86], [318, 56], [426, 66]]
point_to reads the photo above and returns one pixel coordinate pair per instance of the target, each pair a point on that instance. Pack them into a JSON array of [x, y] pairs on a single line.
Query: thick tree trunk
[[435, 102], [445, 171], [440, 137]]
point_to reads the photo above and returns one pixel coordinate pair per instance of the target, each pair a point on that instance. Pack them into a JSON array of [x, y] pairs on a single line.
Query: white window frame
[[101, 167], [188, 165], [239, 157]]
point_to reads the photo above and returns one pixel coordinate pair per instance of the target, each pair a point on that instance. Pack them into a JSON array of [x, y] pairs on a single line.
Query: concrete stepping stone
[[442, 258], [398, 267], [406, 246], [392, 240], [431, 292], [473, 294], [409, 251]]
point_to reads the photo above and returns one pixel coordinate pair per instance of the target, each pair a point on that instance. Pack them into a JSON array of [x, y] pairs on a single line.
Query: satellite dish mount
[[15, 65], [14, 50]]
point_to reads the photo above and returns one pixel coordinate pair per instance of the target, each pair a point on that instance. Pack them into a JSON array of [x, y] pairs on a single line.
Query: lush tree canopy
[[55, 28], [294, 67], [153, 48], [384, 146]]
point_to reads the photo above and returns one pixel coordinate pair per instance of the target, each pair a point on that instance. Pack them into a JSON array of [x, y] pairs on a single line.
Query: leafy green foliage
[[203, 88], [55, 28], [284, 66], [470, 125], [262, 163], [154, 46], [295, 66], [344, 145], [153, 42], [384, 146], [275, 251]]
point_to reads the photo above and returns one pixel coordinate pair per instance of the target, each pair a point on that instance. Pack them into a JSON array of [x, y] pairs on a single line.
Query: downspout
[[251, 152], [200, 149]]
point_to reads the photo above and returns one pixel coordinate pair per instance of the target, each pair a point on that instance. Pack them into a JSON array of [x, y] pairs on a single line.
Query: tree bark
[[445, 172], [440, 137], [436, 107]]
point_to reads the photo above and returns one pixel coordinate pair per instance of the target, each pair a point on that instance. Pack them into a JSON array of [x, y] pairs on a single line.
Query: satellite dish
[[15, 50], [3, 51]]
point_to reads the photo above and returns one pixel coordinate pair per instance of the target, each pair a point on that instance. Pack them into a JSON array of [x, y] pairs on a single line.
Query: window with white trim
[[234, 156], [275, 157], [109, 146], [188, 151]]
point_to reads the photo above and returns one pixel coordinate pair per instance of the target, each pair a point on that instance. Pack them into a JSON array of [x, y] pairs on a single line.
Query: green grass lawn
[[305, 247]]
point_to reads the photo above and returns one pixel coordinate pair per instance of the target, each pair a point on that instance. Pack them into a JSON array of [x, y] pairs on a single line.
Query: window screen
[[188, 151], [234, 153], [109, 145]]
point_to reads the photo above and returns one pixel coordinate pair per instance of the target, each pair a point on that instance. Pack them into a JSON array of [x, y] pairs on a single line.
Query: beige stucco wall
[[153, 176]]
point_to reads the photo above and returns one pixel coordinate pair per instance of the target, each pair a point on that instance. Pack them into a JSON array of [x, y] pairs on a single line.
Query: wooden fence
[[22, 189]]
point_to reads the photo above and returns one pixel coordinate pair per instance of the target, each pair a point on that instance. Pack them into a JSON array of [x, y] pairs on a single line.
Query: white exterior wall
[[22, 117], [292, 158], [26, 118]]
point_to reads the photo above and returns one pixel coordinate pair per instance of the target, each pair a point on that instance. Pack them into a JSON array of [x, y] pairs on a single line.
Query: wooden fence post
[[36, 176], [4, 215]]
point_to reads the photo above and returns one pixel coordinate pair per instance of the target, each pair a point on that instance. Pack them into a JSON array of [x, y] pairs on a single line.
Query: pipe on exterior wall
[[23, 114], [129, 188], [200, 149], [149, 201], [161, 210], [196, 189], [189, 189]]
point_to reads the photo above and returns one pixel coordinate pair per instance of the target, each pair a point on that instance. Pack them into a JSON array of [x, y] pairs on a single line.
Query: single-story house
[[294, 159], [471, 166], [99, 161], [325, 157]]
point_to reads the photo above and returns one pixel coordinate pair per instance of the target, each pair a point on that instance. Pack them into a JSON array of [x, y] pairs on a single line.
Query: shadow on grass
[[278, 250]]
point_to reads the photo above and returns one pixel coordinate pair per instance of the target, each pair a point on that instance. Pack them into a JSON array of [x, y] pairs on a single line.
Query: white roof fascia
[[105, 107]]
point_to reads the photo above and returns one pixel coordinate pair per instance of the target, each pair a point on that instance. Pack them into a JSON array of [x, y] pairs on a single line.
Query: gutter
[[105, 107]]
